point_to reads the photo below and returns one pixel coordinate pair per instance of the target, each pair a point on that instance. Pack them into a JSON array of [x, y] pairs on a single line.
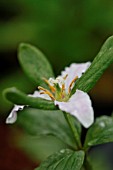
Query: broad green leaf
[[18, 97], [98, 66], [43, 122], [100, 132], [63, 160], [34, 63]]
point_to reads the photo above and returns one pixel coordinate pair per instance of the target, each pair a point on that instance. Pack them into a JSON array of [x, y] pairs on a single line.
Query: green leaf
[[18, 97], [98, 66], [63, 160], [35, 64], [100, 132], [43, 122]]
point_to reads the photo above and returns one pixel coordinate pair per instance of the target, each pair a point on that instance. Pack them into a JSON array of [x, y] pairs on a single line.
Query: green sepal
[[18, 97], [35, 64], [100, 63], [63, 160], [100, 132]]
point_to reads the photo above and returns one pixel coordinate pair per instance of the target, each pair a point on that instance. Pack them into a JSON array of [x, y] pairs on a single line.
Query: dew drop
[[102, 124], [62, 151]]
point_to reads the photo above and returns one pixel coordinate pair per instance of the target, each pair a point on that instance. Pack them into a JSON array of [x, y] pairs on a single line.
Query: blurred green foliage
[[101, 157], [66, 31], [39, 148]]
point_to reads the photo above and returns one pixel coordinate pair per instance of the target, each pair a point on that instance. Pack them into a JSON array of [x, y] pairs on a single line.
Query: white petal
[[79, 105], [73, 71], [13, 115], [37, 94]]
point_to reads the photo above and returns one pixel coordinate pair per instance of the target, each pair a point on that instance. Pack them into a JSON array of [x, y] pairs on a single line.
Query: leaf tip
[[23, 45], [6, 92]]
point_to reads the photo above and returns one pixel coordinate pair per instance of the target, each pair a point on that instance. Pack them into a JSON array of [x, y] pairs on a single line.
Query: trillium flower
[[78, 105]]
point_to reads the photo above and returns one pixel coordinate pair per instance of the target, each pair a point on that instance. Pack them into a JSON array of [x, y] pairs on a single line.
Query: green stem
[[73, 129], [87, 165]]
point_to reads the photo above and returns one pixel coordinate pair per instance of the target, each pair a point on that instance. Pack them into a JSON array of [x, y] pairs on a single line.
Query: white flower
[[78, 105]]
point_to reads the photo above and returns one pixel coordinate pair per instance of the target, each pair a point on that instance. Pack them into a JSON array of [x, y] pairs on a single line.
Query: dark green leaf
[[100, 132], [17, 97], [41, 122], [35, 64], [98, 66], [63, 160]]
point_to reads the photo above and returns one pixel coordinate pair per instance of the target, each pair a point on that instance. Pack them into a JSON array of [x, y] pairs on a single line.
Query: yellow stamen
[[62, 90], [63, 87], [41, 88], [73, 81], [51, 87], [45, 91]]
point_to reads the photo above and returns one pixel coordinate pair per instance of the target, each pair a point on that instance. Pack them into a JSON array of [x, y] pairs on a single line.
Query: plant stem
[[87, 165], [73, 129]]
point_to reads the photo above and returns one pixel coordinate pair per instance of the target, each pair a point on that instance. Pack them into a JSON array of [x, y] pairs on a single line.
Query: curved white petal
[[37, 94], [13, 115], [79, 105], [73, 71]]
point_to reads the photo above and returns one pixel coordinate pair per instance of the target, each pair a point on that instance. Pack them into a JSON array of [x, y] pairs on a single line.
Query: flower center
[[57, 88]]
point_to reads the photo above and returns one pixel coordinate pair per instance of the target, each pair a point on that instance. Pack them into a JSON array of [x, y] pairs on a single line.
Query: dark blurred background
[[66, 31]]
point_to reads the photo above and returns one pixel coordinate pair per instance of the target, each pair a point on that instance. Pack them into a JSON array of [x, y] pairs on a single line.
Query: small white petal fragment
[[13, 115], [73, 71], [79, 105]]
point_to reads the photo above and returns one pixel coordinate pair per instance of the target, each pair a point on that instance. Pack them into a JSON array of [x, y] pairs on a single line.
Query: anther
[[63, 87], [73, 81], [51, 87], [65, 77], [45, 91]]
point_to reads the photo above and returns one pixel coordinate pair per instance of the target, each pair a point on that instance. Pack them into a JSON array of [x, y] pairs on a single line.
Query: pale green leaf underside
[[100, 63], [34, 63], [100, 132], [63, 160], [43, 122], [18, 97]]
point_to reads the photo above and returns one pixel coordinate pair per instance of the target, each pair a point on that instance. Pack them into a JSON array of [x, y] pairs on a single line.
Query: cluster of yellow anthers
[[57, 88]]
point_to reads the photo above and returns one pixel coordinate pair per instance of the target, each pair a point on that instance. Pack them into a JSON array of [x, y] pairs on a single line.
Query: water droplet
[[62, 151], [110, 48], [102, 124]]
